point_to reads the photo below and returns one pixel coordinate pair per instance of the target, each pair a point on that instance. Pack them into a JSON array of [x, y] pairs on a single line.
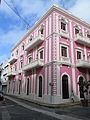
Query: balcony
[[11, 73], [12, 59], [64, 60], [64, 34], [34, 64], [83, 64], [82, 40], [34, 42]]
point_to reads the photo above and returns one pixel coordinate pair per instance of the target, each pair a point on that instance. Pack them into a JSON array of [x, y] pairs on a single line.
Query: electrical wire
[[14, 9]]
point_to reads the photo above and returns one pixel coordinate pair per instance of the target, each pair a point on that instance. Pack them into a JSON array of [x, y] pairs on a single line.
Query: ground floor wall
[[53, 83]]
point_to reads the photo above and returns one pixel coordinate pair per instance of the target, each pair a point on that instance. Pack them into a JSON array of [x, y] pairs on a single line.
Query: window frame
[[81, 54], [39, 54], [61, 51]]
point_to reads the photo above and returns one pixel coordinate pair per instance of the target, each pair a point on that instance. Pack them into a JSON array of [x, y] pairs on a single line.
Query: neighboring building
[[51, 58], [4, 77], [0, 77]]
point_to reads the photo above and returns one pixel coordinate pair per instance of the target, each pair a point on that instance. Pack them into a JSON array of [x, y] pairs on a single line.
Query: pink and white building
[[51, 58]]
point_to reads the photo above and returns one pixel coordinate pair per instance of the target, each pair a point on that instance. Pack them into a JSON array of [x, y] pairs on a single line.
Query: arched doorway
[[81, 89], [65, 87], [40, 87], [28, 86]]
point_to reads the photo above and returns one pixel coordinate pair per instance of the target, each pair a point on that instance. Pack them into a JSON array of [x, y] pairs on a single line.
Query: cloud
[[81, 9]]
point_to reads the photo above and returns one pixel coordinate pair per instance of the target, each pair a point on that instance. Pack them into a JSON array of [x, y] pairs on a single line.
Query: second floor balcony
[[33, 64], [82, 40], [11, 73], [82, 63], [12, 59], [34, 42]]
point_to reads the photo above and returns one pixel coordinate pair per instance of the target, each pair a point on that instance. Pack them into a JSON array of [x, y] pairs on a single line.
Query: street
[[17, 109], [12, 111]]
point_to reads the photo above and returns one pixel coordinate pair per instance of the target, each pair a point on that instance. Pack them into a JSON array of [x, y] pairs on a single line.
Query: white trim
[[58, 81], [70, 24], [49, 81], [69, 84], [74, 80]]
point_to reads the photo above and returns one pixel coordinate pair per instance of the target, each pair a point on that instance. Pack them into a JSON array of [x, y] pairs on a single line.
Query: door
[[81, 89], [19, 86], [40, 86], [65, 88], [28, 86]]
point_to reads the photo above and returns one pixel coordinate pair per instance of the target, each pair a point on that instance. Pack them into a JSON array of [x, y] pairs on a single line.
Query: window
[[16, 52], [41, 31], [76, 31], [15, 67], [88, 35], [23, 47], [63, 51], [63, 26], [41, 54], [78, 55], [30, 39], [29, 59], [21, 64]]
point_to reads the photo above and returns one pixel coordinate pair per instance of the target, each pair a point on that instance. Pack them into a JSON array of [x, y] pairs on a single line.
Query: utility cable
[[17, 13]]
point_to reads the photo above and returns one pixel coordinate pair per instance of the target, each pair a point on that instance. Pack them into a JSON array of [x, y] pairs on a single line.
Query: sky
[[12, 28]]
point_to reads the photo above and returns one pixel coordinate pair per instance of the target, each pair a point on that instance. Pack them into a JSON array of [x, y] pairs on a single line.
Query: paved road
[[17, 109], [12, 111]]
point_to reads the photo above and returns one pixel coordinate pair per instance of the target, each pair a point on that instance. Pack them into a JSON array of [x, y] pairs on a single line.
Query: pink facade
[[50, 60]]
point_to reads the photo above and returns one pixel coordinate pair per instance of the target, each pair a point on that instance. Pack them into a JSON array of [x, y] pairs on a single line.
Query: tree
[[83, 87]]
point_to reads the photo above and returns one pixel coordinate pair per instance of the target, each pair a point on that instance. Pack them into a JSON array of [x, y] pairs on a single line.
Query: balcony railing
[[12, 59], [34, 42], [33, 64], [65, 60], [82, 40], [64, 34], [83, 64], [11, 73]]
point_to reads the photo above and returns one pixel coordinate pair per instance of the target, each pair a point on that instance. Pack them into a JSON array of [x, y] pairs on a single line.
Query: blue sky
[[12, 28]]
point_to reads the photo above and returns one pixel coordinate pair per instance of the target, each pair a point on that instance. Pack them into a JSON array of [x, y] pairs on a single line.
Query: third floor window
[[78, 54], [76, 31], [63, 51], [63, 26]]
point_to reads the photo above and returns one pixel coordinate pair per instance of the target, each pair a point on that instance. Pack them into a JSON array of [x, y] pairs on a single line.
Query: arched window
[[81, 89], [65, 87], [28, 88], [40, 87]]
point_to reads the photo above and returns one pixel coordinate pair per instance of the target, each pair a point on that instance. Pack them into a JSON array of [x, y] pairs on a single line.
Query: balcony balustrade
[[12, 59], [83, 64], [33, 64], [34, 42], [82, 40]]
